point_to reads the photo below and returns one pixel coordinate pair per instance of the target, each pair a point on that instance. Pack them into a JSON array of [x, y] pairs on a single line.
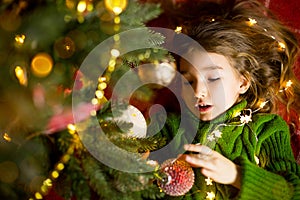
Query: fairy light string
[[60, 165], [117, 7]]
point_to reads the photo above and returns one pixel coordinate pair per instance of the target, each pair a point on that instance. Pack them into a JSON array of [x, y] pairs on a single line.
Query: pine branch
[[143, 13], [98, 179]]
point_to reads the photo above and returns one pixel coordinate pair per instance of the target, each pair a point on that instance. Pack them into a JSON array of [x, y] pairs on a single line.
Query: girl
[[241, 150]]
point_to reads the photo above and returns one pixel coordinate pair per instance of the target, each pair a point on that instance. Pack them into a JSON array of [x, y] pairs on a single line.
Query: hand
[[213, 164]]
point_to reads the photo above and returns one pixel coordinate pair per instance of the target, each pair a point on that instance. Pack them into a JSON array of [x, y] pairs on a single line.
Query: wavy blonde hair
[[258, 46]]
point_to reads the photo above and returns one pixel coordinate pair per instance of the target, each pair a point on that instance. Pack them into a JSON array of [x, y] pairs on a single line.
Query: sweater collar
[[229, 115]]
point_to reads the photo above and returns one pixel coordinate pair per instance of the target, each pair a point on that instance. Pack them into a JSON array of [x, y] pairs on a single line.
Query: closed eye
[[213, 79]]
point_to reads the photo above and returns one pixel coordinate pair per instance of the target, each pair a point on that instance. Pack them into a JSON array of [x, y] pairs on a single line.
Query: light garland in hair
[[245, 117], [286, 86], [251, 22]]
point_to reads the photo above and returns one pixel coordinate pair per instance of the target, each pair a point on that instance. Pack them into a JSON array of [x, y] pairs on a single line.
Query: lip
[[203, 108]]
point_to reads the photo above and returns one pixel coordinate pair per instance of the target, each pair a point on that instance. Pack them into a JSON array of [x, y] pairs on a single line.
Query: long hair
[[257, 45]]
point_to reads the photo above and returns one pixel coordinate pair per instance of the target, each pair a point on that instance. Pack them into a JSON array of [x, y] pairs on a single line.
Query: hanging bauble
[[132, 115], [115, 6], [64, 47], [177, 177], [160, 74]]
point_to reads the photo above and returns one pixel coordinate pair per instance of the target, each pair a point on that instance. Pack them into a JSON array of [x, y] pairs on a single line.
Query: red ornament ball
[[177, 177]]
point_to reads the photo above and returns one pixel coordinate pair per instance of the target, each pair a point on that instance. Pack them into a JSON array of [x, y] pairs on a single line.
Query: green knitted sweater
[[265, 139]]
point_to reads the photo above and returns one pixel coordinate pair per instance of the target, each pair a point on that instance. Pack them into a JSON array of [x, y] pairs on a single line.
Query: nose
[[200, 89]]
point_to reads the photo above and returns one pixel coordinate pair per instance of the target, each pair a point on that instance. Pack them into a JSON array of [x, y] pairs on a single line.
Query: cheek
[[217, 92]]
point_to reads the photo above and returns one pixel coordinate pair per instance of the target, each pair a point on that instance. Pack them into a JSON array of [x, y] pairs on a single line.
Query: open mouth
[[203, 107]]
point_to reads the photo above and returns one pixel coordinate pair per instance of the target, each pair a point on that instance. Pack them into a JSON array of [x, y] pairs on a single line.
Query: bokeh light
[[41, 64], [115, 6]]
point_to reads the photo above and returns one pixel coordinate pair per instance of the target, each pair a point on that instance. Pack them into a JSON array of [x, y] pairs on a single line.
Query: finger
[[208, 173], [194, 160], [202, 149]]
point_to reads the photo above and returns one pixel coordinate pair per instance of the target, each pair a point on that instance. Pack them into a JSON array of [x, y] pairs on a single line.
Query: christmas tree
[[78, 79], [45, 47]]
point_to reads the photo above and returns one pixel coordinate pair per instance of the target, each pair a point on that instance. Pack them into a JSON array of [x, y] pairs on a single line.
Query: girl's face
[[216, 85]]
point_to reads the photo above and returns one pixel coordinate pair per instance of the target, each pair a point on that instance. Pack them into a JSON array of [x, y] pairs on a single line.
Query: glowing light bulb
[[21, 75], [262, 104], [99, 94], [116, 6], [251, 22], [178, 29], [20, 39], [7, 137], [115, 52], [41, 64], [210, 195], [102, 85], [208, 181], [81, 7], [71, 128], [281, 46], [288, 84]]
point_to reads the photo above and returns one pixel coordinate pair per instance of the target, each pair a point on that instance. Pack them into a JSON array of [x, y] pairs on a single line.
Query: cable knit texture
[[266, 137]]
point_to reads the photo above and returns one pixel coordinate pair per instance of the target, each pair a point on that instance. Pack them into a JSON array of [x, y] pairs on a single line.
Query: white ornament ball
[[134, 116], [161, 74]]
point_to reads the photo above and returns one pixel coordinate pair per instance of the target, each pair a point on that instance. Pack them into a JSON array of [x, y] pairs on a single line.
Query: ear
[[244, 85]]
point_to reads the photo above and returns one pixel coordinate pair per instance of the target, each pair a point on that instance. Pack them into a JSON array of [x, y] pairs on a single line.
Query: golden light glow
[[102, 86], [41, 64], [81, 7], [94, 101], [47, 182], [38, 195], [55, 174], [115, 52], [112, 62], [44, 189], [115, 6], [210, 195], [65, 158], [208, 181], [99, 94], [116, 38], [251, 22], [262, 104], [101, 79], [117, 20], [111, 68], [20, 39], [93, 113], [281, 46], [71, 128], [90, 7], [21, 75], [7, 137], [70, 4], [178, 29], [288, 84], [60, 166]]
